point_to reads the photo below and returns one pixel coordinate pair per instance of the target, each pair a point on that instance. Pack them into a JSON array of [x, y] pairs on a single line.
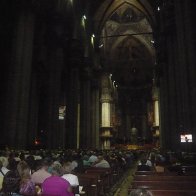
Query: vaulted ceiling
[[125, 40]]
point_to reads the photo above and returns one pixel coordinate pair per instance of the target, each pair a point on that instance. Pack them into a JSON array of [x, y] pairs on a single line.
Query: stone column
[[95, 115], [185, 20], [33, 114], [86, 106], [17, 102], [144, 127], [49, 74], [105, 112], [175, 85], [73, 97]]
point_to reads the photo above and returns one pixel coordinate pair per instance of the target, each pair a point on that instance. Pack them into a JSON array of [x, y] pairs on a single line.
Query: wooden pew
[[75, 189], [91, 183], [105, 175], [154, 173], [171, 192], [165, 185], [164, 178]]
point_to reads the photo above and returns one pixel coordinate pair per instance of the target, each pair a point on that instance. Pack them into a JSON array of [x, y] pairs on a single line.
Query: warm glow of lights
[[83, 21], [158, 9], [156, 112], [92, 40], [36, 142], [105, 114]]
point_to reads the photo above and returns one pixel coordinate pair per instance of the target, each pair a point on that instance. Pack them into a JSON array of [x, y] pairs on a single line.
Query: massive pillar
[[177, 81], [105, 100], [86, 118], [49, 62], [95, 91], [73, 96], [19, 79], [155, 100]]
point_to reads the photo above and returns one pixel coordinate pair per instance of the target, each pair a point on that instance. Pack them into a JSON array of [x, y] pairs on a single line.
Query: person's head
[[67, 167], [45, 163], [143, 161], [140, 192], [85, 157], [100, 158], [57, 170], [23, 170], [1, 164], [4, 161]]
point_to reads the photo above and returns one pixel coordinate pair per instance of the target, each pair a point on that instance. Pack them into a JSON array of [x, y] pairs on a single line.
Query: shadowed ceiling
[[126, 48]]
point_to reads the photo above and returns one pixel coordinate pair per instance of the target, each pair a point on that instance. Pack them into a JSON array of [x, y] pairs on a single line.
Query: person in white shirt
[[101, 162], [93, 158], [3, 169], [71, 178]]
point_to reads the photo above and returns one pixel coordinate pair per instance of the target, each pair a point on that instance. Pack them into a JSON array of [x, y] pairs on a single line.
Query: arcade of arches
[[98, 73]]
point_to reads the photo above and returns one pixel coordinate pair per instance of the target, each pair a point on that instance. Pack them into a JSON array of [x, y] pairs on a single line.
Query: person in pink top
[[55, 185]]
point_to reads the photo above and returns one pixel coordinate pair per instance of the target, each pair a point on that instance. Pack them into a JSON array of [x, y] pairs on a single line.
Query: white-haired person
[[55, 184], [140, 192], [71, 178]]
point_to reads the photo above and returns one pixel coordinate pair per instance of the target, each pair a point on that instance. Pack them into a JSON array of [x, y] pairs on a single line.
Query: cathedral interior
[[98, 73]]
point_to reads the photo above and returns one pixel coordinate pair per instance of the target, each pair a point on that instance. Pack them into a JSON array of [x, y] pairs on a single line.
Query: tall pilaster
[[176, 82], [49, 62], [95, 113], [73, 97], [105, 100], [186, 61], [18, 89], [85, 98]]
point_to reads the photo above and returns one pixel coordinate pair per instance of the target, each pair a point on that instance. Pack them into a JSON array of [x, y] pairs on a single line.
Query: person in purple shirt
[[55, 185]]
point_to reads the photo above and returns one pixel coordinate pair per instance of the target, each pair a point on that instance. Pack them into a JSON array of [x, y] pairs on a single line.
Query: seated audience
[[71, 178], [3, 169], [4, 159], [11, 184], [93, 158], [27, 187], [101, 162], [142, 166], [160, 166], [140, 192], [86, 162], [55, 184], [1, 175], [42, 173]]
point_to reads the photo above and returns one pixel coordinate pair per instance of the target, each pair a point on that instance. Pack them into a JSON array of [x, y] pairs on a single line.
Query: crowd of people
[[44, 172], [158, 161], [54, 172]]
